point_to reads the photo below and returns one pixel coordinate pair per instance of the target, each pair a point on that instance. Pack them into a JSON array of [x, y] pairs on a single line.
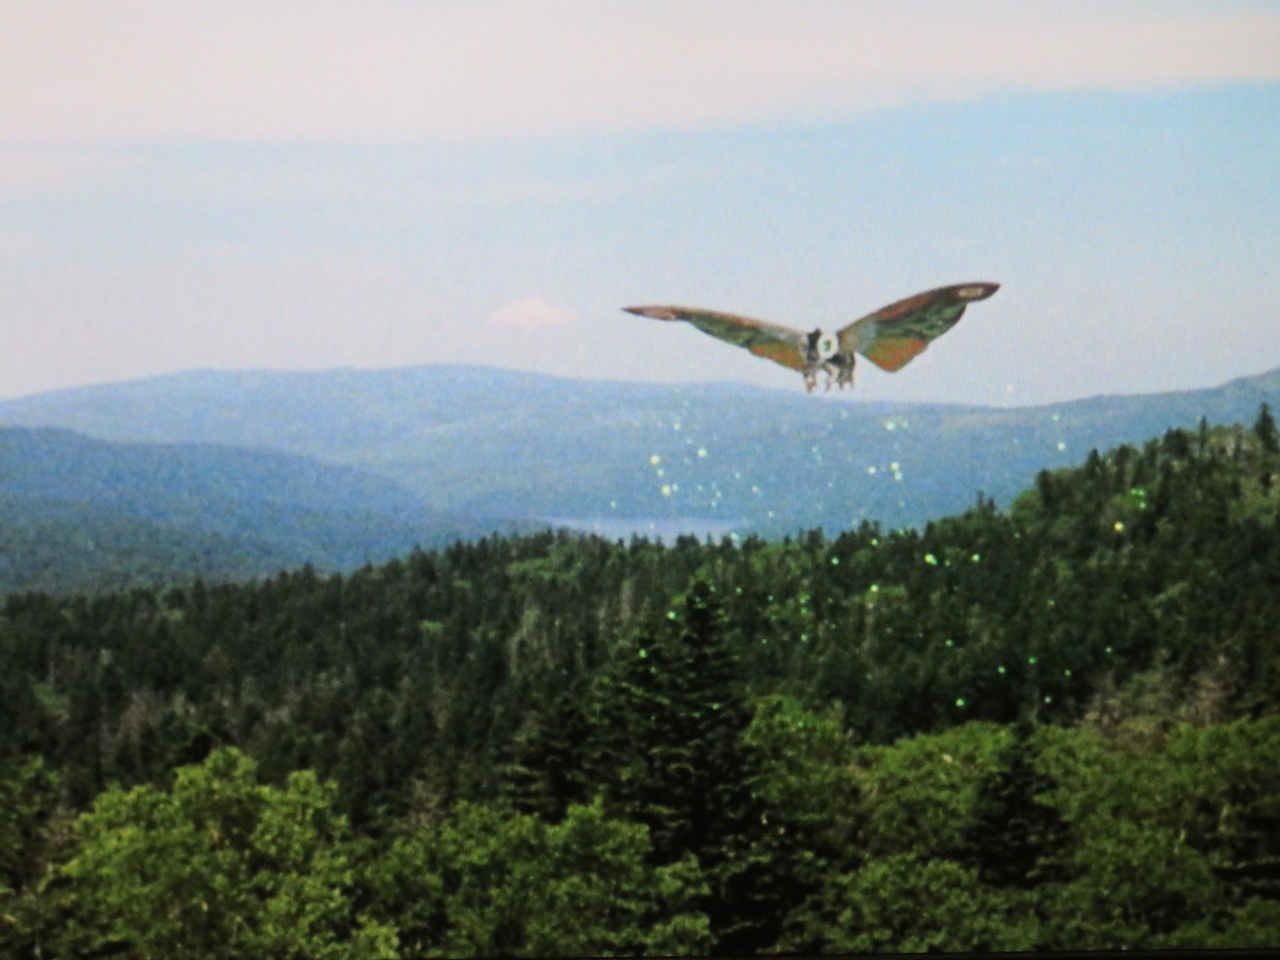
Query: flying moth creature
[[889, 338]]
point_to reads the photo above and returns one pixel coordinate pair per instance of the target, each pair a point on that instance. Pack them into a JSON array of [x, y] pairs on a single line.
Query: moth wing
[[773, 341], [893, 335]]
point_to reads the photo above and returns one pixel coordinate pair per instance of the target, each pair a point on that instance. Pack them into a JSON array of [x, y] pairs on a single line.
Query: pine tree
[[660, 738], [1264, 428], [1014, 836]]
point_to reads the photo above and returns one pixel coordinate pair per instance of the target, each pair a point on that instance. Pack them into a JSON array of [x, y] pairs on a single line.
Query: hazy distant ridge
[[472, 441], [82, 513]]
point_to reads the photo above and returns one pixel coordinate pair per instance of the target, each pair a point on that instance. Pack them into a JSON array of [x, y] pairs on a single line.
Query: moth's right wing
[[772, 341], [893, 335]]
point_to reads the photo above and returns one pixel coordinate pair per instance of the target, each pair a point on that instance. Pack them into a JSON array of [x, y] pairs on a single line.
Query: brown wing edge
[[655, 313], [965, 292], [691, 314]]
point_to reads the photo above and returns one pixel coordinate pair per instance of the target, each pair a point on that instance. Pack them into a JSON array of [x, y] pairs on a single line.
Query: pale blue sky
[[1123, 186]]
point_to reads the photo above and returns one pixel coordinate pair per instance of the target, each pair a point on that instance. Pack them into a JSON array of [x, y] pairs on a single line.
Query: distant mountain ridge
[[479, 442], [82, 513]]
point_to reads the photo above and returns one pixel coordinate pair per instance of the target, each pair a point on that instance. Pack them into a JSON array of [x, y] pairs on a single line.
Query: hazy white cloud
[[532, 314], [75, 70]]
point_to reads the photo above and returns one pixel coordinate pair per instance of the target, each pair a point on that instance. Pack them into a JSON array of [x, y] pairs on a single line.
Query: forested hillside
[[1050, 727], [79, 514]]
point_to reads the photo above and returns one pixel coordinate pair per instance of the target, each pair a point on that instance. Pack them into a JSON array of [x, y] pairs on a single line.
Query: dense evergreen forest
[[1051, 728]]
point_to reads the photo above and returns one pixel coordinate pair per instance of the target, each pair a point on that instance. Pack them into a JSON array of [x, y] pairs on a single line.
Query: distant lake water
[[666, 529]]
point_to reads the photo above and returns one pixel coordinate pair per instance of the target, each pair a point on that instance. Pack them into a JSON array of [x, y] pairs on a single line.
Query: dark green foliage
[[1264, 428], [665, 729], [30, 835], [1015, 835], [660, 737], [1135, 844], [411, 681], [920, 801], [485, 881], [62, 547], [1049, 728], [1173, 834]]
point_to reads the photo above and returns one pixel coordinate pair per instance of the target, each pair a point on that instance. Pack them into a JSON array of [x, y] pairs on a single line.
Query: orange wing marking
[[893, 353], [783, 353]]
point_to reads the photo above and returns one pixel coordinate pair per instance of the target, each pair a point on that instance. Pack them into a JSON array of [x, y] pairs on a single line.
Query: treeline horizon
[[1050, 728]]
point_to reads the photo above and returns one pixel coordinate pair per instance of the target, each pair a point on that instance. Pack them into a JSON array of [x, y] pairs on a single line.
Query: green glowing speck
[[1000, 670], [960, 702], [1031, 659], [643, 654], [1048, 699], [949, 643]]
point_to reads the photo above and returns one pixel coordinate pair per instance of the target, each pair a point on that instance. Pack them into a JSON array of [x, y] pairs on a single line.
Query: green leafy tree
[[811, 792], [921, 793], [913, 904], [1173, 846], [488, 882], [218, 866], [920, 801]]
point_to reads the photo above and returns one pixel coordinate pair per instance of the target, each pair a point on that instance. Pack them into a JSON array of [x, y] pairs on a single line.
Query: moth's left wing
[[772, 341], [893, 335]]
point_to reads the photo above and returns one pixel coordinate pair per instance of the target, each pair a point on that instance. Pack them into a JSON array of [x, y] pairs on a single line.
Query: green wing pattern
[[893, 335], [770, 340]]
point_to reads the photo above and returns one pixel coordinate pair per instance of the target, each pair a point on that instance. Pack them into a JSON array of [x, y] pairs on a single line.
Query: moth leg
[[810, 380], [846, 372]]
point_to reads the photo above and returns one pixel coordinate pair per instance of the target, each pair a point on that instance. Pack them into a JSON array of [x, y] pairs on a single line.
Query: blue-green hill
[[83, 514], [477, 442]]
